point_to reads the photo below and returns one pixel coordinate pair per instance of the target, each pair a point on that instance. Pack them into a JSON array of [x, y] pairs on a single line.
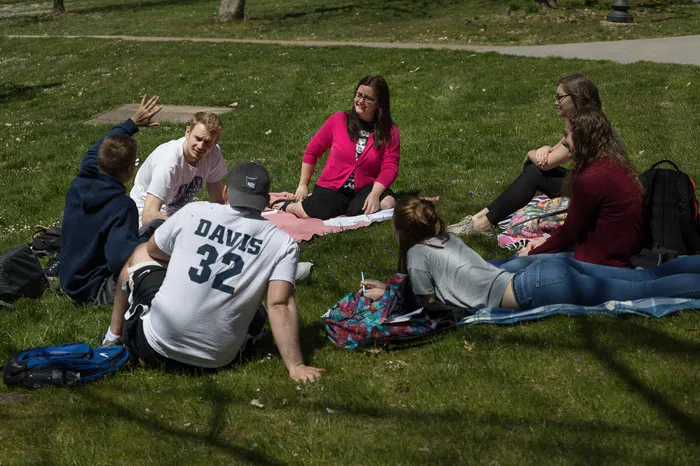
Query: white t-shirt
[[221, 260], [166, 175]]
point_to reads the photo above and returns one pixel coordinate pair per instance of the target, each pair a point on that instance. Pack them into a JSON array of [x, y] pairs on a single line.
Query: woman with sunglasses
[[541, 169], [362, 163]]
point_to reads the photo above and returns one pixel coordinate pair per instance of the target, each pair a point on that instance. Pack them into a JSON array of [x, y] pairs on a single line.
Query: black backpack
[[671, 210], [21, 275]]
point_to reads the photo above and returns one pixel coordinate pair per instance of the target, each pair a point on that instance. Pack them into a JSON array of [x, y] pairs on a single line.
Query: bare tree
[[58, 8], [229, 10]]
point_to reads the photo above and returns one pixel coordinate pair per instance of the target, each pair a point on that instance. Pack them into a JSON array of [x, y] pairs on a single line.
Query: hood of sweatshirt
[[93, 193]]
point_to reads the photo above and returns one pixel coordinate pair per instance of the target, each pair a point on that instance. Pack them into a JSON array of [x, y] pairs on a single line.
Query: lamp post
[[619, 12]]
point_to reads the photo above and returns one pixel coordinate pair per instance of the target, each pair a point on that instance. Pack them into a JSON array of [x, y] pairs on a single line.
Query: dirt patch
[[13, 398]]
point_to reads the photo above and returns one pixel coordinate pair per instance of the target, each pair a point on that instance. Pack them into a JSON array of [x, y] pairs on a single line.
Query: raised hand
[[146, 111]]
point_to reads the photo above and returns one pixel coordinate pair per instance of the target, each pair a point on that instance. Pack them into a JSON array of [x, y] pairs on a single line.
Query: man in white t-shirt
[[175, 171], [197, 287]]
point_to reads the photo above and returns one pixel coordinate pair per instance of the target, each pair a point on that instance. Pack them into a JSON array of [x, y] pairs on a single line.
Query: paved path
[[683, 50], [172, 113]]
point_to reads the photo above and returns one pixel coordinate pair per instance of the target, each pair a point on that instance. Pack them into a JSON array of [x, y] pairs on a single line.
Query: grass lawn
[[520, 22], [561, 391]]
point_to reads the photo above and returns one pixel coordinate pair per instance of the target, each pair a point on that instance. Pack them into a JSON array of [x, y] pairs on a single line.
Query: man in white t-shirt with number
[[196, 288], [175, 171]]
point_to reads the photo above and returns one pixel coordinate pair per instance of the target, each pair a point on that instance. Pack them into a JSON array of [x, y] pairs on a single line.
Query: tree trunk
[[58, 8], [230, 10]]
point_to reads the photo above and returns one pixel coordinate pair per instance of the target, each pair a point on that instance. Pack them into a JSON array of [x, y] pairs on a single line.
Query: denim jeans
[[515, 263], [568, 281]]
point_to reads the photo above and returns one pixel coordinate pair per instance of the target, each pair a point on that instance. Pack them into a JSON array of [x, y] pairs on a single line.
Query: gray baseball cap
[[248, 186]]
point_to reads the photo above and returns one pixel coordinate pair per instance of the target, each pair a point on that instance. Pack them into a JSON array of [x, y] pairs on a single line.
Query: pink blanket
[[301, 229]]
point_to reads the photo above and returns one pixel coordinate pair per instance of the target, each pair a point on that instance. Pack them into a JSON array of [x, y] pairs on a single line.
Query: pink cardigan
[[374, 164]]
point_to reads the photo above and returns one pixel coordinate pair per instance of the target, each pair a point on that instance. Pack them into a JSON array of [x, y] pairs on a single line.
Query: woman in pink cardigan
[[362, 163]]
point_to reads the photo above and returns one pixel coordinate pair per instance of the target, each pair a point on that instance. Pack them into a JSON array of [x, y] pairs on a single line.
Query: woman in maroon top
[[604, 223], [363, 160]]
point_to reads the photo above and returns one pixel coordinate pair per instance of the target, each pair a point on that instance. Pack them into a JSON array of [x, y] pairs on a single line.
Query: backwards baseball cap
[[248, 186]]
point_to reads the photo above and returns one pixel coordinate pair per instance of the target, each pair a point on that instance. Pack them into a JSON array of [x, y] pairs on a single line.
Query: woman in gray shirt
[[444, 270]]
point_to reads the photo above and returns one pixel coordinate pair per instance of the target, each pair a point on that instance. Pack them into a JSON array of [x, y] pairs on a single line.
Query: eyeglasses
[[360, 96], [559, 98]]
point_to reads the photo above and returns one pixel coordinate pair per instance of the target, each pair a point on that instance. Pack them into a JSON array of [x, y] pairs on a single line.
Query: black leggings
[[524, 188]]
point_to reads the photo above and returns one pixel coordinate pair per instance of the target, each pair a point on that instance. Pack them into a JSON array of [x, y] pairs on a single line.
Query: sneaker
[[461, 223], [303, 271], [105, 342], [466, 227], [51, 270]]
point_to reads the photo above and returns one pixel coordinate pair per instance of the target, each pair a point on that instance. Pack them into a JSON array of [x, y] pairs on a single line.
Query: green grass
[[561, 391], [435, 21]]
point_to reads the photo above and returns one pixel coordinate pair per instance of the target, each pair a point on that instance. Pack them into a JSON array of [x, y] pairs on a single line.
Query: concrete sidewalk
[[681, 50]]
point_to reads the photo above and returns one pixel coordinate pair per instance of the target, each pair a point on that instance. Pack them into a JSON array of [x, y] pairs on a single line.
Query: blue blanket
[[649, 307]]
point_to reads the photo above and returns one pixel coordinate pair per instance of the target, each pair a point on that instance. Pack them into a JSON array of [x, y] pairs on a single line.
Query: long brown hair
[[382, 118], [593, 139], [582, 91], [415, 220]]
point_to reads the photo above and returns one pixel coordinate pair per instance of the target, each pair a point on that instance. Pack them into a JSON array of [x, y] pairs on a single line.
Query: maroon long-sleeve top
[[605, 217]]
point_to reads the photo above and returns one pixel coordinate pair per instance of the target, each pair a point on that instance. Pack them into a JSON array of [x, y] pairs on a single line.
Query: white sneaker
[[466, 227], [469, 219], [105, 341], [303, 271]]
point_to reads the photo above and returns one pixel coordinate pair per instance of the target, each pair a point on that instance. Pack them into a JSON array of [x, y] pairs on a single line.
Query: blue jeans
[[568, 281], [515, 263]]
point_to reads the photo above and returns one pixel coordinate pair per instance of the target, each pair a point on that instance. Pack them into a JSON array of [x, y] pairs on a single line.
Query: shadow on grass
[[684, 422], [640, 337], [219, 402], [9, 91], [129, 7], [417, 420], [577, 447], [633, 335], [389, 9], [312, 338]]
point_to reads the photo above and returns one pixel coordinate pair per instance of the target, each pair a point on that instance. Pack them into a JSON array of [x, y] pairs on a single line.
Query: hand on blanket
[[371, 204], [530, 246], [301, 193], [374, 289]]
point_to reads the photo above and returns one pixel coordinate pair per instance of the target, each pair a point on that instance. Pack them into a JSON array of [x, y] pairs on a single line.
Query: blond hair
[[210, 120]]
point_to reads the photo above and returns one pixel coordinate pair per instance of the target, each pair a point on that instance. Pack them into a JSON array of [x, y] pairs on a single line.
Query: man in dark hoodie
[[100, 221]]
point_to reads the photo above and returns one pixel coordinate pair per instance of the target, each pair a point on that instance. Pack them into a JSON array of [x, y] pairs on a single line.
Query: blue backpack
[[66, 364]]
